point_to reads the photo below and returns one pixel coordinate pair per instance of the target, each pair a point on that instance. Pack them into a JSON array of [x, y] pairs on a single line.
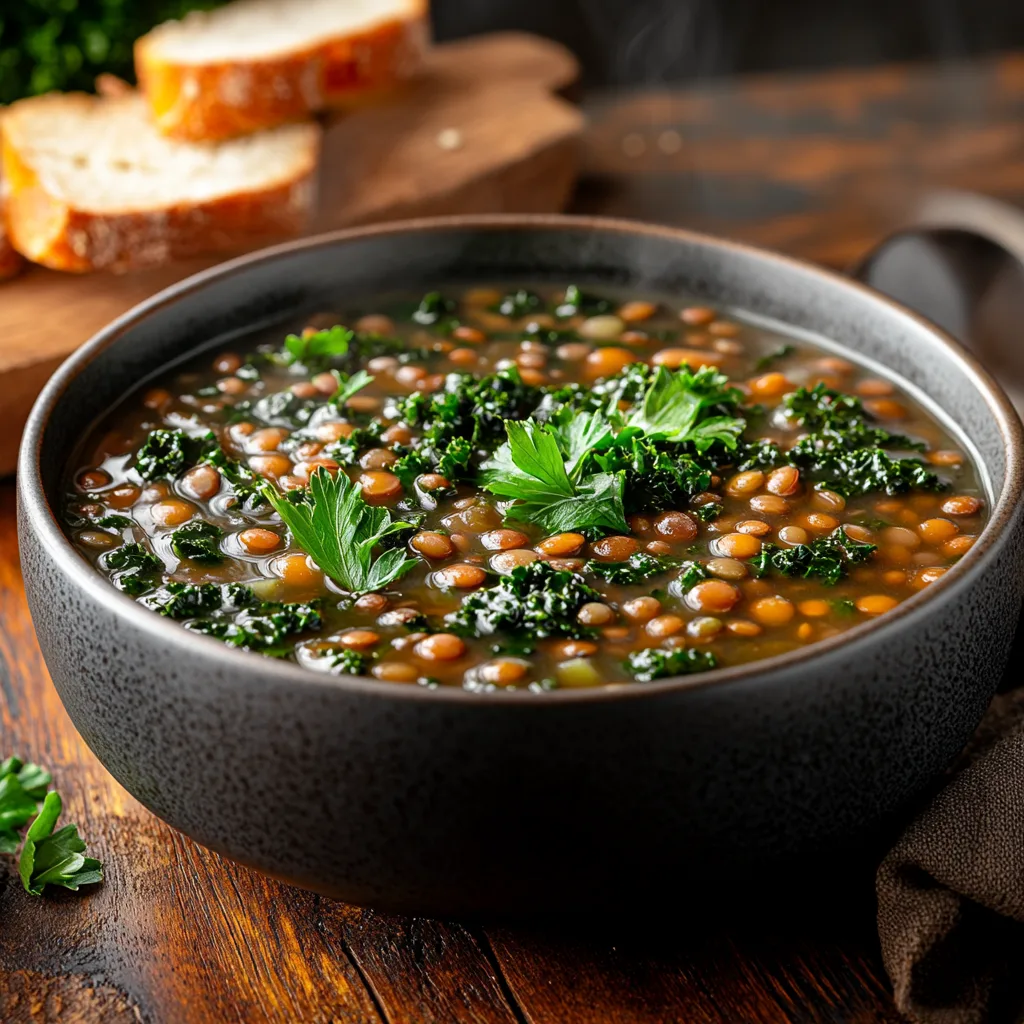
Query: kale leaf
[[134, 568], [263, 626], [435, 310], [578, 302], [656, 663], [519, 303], [349, 662], [533, 600], [198, 540], [184, 600], [165, 453], [825, 558], [637, 568]]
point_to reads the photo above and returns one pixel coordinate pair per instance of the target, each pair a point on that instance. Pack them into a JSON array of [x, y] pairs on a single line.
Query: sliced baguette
[[92, 185], [257, 63]]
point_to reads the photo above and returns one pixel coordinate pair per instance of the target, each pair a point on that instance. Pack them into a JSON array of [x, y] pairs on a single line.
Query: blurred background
[[51, 44]]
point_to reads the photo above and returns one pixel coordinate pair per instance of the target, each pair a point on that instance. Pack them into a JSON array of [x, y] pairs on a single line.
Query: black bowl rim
[[45, 521]]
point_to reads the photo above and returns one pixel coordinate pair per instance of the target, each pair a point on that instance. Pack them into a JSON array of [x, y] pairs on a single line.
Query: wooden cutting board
[[481, 131]]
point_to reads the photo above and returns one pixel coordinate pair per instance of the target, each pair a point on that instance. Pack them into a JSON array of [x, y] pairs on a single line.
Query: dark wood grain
[[817, 165]]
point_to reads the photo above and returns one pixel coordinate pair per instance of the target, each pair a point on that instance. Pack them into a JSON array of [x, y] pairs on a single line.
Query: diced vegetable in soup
[[525, 488]]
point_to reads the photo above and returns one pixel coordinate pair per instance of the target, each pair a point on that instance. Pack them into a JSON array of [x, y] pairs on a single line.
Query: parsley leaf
[[16, 805], [32, 777], [317, 349], [672, 408], [530, 467], [55, 858], [339, 531], [348, 386]]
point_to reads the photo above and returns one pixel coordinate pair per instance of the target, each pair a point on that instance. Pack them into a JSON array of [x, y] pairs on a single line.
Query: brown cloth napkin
[[951, 891]]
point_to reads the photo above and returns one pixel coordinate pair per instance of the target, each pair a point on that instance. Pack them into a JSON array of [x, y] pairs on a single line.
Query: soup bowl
[[453, 802]]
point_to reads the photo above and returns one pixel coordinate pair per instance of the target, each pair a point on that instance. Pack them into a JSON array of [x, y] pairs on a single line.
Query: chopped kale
[[844, 607], [451, 462], [838, 421], [263, 626], [637, 568], [114, 522], [519, 303], [284, 409], [578, 302], [350, 663], [434, 310], [826, 558], [658, 475], [184, 600], [535, 599], [470, 408], [198, 540], [165, 453], [863, 470], [135, 568], [690, 574], [708, 512], [760, 454], [346, 451], [244, 482], [770, 358], [655, 663]]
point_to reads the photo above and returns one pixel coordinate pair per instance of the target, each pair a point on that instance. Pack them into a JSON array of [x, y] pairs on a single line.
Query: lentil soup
[[529, 488]]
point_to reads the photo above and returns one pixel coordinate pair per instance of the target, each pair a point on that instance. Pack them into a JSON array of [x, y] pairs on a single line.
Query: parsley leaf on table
[[339, 531], [16, 807], [55, 858], [33, 778]]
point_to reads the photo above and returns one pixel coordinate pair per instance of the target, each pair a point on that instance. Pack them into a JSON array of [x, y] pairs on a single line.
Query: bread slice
[[253, 64], [92, 184]]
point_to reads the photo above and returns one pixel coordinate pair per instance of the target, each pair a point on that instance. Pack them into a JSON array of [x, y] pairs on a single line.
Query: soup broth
[[526, 487]]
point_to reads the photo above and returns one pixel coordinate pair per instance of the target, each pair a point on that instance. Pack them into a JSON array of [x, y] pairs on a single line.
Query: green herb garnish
[[546, 473], [770, 358], [198, 540], [826, 558], [165, 453], [655, 663], [638, 567], [338, 530], [135, 568], [317, 349], [348, 386], [533, 600], [55, 858]]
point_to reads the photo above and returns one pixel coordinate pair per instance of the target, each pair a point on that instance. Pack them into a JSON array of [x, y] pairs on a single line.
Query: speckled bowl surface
[[451, 802]]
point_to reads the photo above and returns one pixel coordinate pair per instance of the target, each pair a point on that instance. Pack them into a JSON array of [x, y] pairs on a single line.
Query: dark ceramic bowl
[[452, 802]]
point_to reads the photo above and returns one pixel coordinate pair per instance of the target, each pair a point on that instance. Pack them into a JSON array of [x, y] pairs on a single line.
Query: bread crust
[[49, 230], [214, 101]]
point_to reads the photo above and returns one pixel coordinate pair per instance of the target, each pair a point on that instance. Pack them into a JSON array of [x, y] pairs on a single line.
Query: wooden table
[[820, 166]]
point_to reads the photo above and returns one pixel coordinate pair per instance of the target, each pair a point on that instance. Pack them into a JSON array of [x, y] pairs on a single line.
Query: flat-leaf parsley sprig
[[332, 523], [47, 857]]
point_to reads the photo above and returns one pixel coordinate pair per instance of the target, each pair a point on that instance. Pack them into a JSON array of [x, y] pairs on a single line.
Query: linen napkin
[[951, 891]]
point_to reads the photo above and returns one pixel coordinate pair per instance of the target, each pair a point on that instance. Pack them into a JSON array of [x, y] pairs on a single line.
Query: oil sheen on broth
[[596, 489]]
